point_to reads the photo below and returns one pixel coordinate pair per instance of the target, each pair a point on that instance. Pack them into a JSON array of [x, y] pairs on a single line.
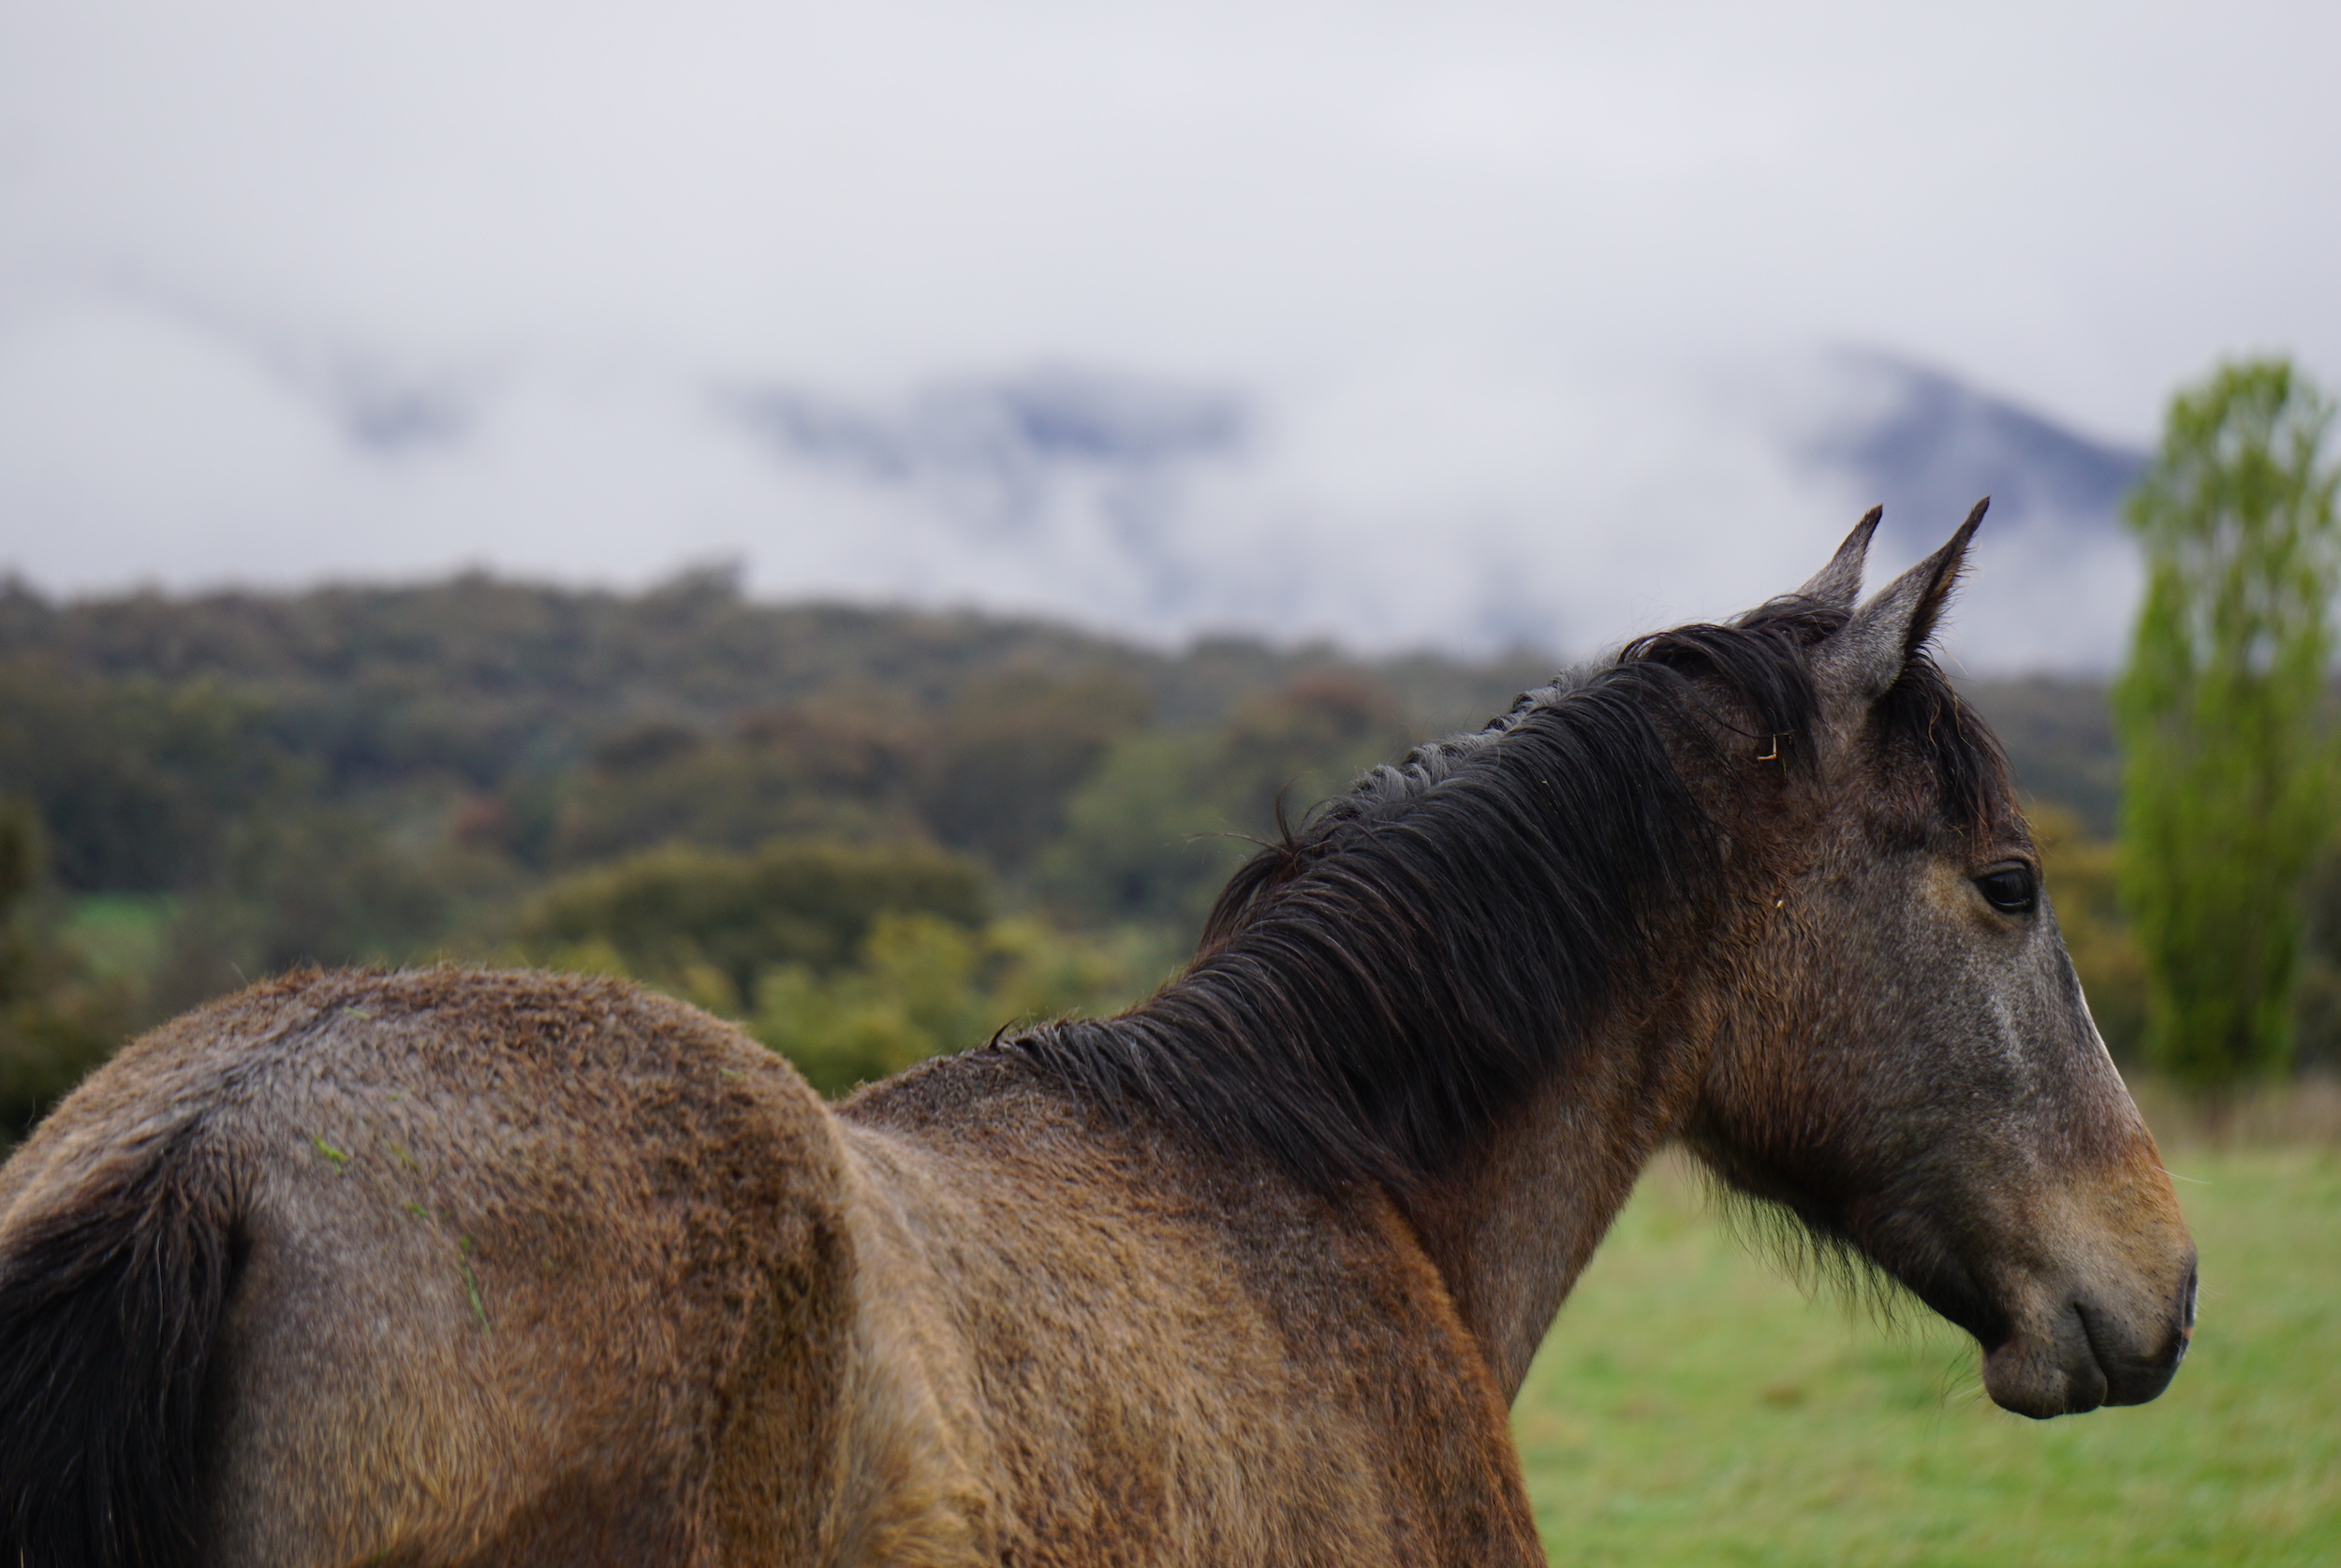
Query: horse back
[[435, 1267], [1126, 1350]]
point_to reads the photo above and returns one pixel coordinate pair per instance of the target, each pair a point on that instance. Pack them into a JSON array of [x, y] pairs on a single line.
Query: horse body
[[453, 1267], [538, 1270]]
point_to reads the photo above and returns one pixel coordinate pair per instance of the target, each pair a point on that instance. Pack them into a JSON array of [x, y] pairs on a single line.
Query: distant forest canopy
[[481, 684], [222, 785]]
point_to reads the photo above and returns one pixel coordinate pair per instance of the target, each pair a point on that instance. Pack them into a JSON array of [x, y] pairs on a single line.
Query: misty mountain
[[1927, 446], [997, 454], [1000, 443], [1143, 504], [1431, 500]]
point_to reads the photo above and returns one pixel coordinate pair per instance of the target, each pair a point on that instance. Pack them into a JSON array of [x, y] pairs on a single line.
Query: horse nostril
[[2186, 1303]]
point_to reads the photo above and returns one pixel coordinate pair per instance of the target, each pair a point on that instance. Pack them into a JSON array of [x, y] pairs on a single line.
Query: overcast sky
[[294, 290]]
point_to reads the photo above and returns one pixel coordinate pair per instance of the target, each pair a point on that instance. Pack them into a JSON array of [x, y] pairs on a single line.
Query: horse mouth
[[2082, 1364]]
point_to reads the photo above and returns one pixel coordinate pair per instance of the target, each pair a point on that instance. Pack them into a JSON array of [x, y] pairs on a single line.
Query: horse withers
[[458, 1268]]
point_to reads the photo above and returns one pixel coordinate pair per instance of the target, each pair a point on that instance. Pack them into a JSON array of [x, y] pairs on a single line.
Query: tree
[[681, 916], [1152, 834], [2227, 790]]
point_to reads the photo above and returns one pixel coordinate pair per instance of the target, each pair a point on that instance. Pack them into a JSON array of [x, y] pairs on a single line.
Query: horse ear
[[1840, 583], [1868, 656]]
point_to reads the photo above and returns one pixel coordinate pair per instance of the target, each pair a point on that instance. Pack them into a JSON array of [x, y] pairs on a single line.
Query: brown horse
[[456, 1268]]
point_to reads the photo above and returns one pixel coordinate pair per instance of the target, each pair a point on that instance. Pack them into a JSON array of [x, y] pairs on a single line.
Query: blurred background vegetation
[[869, 835]]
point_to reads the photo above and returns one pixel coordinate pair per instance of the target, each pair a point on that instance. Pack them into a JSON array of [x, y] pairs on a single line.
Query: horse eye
[[2010, 890]]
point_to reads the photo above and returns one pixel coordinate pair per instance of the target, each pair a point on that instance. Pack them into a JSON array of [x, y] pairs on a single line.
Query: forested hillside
[[870, 833]]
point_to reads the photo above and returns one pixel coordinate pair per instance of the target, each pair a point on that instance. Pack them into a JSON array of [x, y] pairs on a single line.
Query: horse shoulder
[[1128, 1352]]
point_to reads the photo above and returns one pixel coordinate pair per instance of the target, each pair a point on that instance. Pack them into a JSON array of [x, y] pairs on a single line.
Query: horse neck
[[1510, 1224], [1479, 998]]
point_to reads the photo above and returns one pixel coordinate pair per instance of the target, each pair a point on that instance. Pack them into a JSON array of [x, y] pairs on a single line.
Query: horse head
[[1905, 1062]]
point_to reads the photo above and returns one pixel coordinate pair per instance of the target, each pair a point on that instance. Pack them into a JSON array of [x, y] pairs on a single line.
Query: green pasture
[[1693, 1407]]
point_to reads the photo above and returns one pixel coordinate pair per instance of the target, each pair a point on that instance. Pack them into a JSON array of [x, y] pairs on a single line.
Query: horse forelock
[[1382, 981]]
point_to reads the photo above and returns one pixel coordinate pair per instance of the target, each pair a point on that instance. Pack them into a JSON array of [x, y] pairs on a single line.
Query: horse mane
[[1374, 987]]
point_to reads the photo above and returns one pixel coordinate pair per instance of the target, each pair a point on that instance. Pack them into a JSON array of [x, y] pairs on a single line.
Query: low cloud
[[1460, 325]]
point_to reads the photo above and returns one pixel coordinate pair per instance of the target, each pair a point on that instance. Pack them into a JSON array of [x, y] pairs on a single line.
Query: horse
[[452, 1266]]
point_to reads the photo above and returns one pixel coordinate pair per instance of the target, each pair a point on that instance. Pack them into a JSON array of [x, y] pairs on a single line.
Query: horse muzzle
[[2077, 1349]]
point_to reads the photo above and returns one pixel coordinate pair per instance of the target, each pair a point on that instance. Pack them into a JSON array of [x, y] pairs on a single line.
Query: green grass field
[[1692, 1407]]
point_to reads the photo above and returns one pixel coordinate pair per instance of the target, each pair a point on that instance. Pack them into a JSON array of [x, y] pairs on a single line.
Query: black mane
[[1373, 989]]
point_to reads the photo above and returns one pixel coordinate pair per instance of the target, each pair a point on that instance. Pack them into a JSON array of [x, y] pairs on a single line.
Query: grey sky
[[1514, 293]]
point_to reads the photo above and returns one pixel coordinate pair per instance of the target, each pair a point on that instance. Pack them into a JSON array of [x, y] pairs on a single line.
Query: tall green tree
[[2229, 781]]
